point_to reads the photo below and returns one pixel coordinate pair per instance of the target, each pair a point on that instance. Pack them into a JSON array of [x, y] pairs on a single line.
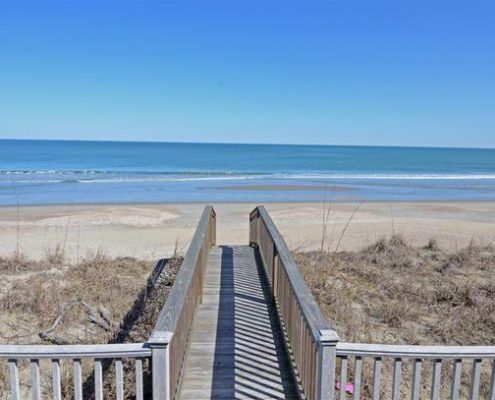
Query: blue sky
[[336, 72]]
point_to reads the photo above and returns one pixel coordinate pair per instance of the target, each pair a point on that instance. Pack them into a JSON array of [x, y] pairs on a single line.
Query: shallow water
[[51, 172]]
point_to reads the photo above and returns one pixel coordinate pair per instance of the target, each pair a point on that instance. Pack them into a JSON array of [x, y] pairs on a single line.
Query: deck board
[[236, 350]]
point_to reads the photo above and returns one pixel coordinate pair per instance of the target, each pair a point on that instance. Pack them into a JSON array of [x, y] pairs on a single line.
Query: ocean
[[83, 172]]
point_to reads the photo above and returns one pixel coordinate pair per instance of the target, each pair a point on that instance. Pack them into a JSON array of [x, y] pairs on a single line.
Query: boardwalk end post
[[254, 228], [213, 227], [327, 358], [160, 355]]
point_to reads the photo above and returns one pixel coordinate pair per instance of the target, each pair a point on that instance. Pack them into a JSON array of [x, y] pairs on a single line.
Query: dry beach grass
[[392, 292], [97, 300], [36, 293]]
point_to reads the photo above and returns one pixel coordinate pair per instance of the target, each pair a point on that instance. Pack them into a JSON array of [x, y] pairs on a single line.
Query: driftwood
[[99, 316], [48, 334]]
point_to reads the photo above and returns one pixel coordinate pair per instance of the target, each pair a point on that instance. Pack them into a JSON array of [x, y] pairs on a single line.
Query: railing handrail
[[170, 335], [311, 342], [409, 351], [170, 313], [114, 350], [312, 313]]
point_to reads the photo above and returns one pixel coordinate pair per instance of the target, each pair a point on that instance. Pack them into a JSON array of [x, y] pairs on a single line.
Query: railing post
[[254, 221], [327, 358], [213, 228], [276, 261], [159, 343], [258, 228]]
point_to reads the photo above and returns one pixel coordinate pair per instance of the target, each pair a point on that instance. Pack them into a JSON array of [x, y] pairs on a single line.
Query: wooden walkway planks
[[236, 349]]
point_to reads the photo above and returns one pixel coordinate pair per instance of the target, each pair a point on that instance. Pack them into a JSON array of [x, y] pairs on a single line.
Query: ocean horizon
[[87, 172]]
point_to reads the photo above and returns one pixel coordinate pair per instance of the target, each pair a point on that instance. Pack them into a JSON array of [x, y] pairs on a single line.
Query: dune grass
[[97, 300], [391, 292], [38, 292]]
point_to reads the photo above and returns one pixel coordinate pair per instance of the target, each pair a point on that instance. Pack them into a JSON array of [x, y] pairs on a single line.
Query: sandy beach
[[152, 231]]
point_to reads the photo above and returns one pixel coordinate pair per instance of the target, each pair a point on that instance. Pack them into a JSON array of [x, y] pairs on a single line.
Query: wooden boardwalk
[[236, 350]]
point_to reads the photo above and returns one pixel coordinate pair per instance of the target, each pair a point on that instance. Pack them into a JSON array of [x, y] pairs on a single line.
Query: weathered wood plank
[[456, 380], [56, 380], [396, 379], [358, 365], [475, 380], [416, 386], [14, 380], [139, 379], [377, 377], [77, 378], [119, 379], [343, 377], [98, 380], [114, 350], [35, 379], [436, 377]]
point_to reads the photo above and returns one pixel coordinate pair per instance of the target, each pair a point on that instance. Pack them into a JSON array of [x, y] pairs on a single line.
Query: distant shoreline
[[384, 146]]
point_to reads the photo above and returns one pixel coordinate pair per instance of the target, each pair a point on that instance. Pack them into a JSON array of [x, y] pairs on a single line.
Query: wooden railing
[[171, 334], [310, 341], [436, 358], [18, 356], [379, 371], [166, 346]]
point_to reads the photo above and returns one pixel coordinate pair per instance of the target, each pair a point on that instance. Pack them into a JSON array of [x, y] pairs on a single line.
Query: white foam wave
[[391, 176], [137, 178], [170, 179]]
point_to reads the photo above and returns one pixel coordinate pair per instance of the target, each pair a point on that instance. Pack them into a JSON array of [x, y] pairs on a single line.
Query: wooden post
[[254, 221], [35, 379], [213, 226], [160, 358], [14, 380], [77, 378], [325, 379], [258, 229], [276, 261]]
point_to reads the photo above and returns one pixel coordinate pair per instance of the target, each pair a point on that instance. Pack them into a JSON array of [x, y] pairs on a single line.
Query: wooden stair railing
[[309, 340], [170, 336]]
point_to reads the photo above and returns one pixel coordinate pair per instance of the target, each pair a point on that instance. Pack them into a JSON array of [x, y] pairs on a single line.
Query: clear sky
[[330, 72]]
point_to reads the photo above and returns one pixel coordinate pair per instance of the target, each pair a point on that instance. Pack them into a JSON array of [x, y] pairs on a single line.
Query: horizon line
[[249, 144]]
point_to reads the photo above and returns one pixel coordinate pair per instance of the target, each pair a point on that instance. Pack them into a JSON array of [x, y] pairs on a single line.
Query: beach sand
[[151, 231]]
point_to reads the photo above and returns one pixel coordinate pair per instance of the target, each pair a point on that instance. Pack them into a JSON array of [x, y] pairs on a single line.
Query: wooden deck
[[236, 349]]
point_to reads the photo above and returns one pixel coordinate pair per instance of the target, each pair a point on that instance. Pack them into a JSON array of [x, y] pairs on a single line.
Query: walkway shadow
[[223, 380], [250, 358]]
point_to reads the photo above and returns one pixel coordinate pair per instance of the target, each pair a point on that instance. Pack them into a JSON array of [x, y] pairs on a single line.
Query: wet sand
[[284, 188], [155, 230]]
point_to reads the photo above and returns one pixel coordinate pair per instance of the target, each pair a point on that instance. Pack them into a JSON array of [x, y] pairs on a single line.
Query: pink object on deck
[[349, 387]]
